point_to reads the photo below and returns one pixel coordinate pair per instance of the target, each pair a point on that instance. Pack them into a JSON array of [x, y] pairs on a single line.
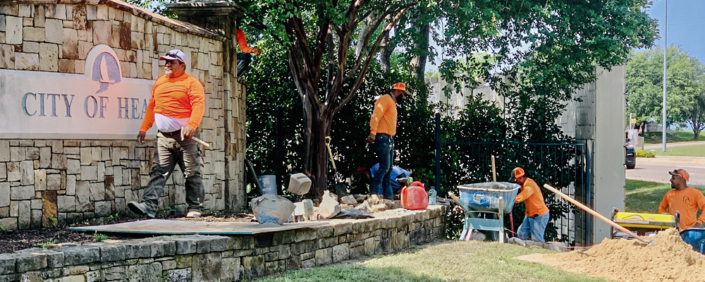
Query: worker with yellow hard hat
[[683, 199], [537, 215]]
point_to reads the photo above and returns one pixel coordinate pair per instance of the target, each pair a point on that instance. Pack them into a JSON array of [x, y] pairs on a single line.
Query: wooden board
[[178, 227]]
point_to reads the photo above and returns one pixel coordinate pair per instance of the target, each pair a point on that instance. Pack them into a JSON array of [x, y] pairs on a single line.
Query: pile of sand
[[670, 259]]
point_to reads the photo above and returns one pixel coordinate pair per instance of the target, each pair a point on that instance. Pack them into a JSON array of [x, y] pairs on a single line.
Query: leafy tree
[[321, 36], [685, 81]]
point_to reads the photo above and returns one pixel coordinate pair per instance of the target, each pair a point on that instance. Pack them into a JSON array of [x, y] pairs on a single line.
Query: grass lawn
[[447, 261], [687, 151], [671, 137]]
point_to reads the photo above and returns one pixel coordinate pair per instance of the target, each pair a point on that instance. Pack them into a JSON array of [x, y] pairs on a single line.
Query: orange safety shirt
[[242, 41], [533, 199], [178, 97], [686, 202], [384, 117]]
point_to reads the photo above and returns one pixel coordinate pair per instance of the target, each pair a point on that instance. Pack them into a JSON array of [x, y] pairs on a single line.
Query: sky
[[686, 26]]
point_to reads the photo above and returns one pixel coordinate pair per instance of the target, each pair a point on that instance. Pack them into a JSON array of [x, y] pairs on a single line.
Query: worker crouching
[[683, 199], [537, 215]]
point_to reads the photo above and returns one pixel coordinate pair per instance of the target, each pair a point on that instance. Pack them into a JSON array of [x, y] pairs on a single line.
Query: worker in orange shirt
[[176, 106], [244, 59], [383, 127], [536, 215], [683, 199]]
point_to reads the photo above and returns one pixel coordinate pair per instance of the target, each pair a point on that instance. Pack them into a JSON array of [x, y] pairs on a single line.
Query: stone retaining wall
[[221, 258], [49, 181]]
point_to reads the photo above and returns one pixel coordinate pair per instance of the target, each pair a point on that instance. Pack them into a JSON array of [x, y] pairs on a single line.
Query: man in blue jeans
[[383, 127], [536, 215]]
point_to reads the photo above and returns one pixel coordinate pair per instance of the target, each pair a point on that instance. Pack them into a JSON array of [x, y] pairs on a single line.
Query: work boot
[[193, 214], [140, 209]]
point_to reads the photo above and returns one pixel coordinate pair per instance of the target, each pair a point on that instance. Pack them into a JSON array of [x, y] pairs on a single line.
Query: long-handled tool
[[595, 214], [339, 188], [208, 146]]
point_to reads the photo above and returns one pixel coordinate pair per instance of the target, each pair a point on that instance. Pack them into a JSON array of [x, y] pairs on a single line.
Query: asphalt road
[[656, 169]]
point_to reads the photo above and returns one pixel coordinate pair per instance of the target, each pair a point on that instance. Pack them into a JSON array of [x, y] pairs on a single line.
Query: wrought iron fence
[[564, 166]]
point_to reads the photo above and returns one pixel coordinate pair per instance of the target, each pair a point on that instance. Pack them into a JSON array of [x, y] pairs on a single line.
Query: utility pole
[[665, 47]]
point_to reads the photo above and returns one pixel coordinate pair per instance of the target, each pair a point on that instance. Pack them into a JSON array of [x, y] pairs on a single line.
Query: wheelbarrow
[[696, 238], [493, 198]]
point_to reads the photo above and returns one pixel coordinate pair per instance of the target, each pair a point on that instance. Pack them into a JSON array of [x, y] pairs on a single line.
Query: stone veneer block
[[80, 255]]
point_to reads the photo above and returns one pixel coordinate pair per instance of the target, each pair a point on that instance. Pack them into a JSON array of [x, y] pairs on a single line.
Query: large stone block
[[26, 61], [103, 208], [79, 255], [66, 203], [58, 161], [24, 215], [54, 182], [27, 171], [102, 31], [5, 194], [44, 157], [89, 172], [70, 185], [341, 252], [83, 195], [13, 30], [118, 273], [40, 180], [178, 275], [112, 253], [33, 34], [73, 166], [253, 267], [206, 267], [69, 46], [4, 151], [48, 57], [145, 272], [137, 250], [324, 256], [3, 171], [21, 193], [54, 31], [8, 223]]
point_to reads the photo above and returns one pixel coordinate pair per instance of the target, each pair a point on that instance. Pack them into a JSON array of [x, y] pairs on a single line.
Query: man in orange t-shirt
[[684, 200], [536, 215], [383, 127], [177, 106]]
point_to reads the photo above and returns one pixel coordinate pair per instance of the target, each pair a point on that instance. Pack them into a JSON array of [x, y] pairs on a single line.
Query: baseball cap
[[400, 86], [175, 54], [516, 173], [681, 173]]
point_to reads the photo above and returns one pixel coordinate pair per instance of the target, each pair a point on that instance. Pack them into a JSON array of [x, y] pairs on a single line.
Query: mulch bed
[[11, 241]]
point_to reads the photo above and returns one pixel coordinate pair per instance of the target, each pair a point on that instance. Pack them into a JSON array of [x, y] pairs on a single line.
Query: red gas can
[[414, 197]]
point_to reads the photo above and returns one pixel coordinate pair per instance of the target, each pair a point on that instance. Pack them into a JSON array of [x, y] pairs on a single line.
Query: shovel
[[339, 188]]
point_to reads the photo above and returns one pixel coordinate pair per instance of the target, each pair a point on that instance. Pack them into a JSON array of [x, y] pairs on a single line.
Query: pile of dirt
[[670, 259]]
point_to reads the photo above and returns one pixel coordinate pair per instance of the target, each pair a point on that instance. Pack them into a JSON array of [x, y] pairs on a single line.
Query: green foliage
[[47, 244], [685, 85], [99, 237], [645, 153]]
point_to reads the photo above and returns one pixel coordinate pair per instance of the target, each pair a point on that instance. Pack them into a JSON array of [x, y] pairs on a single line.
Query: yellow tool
[[644, 224]]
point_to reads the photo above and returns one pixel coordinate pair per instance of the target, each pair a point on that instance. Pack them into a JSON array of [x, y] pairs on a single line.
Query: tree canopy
[[685, 80]]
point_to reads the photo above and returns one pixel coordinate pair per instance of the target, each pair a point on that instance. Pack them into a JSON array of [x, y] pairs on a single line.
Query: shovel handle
[[594, 213], [208, 146]]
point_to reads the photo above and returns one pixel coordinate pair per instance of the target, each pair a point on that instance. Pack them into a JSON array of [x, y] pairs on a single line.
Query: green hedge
[[645, 153]]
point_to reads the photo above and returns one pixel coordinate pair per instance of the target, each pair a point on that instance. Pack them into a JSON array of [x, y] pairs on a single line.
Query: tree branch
[[370, 57]]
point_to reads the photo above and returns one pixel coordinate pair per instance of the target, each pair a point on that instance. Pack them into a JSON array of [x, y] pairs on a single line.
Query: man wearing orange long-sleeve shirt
[[536, 215], [244, 58], [383, 127], [177, 106], [683, 199]]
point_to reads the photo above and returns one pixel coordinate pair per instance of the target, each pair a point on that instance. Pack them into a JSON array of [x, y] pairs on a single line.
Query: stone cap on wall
[[137, 11]]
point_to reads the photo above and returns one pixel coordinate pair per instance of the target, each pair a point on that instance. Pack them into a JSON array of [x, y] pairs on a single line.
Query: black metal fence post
[[279, 159], [438, 154]]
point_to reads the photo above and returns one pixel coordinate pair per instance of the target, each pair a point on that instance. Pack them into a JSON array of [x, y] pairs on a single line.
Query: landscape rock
[[272, 209], [349, 200], [329, 207]]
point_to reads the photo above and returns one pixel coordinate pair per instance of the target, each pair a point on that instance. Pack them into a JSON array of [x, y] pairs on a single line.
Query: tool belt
[[173, 134]]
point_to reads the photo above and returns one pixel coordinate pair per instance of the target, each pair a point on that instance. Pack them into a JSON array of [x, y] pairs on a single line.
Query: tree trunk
[[386, 56], [419, 62]]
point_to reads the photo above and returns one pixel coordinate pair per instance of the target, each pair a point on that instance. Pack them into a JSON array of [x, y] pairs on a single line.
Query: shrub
[[645, 154]]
